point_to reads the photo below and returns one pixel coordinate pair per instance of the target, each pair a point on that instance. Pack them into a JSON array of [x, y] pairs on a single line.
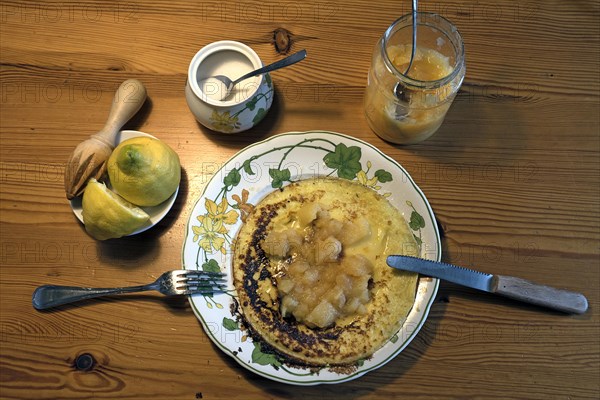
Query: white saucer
[[156, 213]]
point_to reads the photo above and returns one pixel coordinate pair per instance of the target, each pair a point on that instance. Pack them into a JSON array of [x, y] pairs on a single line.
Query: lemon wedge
[[107, 215]]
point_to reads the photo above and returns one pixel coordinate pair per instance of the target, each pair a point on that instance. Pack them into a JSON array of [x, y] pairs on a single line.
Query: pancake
[[310, 272]]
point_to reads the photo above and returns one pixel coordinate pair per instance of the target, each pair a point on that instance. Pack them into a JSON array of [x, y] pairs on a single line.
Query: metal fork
[[176, 282]]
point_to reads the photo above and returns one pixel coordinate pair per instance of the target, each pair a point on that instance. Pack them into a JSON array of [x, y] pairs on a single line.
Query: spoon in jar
[[227, 84], [399, 91], [414, 36]]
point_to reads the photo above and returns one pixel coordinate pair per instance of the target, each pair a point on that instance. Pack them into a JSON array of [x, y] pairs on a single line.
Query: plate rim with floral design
[[229, 196]]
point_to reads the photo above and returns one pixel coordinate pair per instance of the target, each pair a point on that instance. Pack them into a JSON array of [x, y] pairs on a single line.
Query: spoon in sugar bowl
[[227, 84]]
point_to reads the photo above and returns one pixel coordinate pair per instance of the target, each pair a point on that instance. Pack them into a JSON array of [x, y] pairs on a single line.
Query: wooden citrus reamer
[[88, 160]]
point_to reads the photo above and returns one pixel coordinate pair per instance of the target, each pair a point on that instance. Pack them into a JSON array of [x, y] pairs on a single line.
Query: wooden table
[[512, 175]]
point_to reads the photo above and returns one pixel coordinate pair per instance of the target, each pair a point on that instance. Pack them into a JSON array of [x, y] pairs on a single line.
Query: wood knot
[[282, 40], [85, 362]]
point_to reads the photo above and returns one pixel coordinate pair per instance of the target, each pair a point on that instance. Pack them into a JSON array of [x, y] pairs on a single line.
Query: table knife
[[509, 286]]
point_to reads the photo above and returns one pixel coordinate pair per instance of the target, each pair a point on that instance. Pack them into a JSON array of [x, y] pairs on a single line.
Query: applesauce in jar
[[407, 107]]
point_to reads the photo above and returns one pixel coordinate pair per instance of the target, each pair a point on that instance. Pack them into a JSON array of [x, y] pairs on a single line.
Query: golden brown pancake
[[259, 271]]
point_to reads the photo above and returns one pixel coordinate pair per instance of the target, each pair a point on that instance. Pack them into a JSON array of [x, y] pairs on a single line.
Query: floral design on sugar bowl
[[248, 102]]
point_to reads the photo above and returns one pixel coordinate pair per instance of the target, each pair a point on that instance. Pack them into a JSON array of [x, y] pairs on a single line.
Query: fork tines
[[201, 282]]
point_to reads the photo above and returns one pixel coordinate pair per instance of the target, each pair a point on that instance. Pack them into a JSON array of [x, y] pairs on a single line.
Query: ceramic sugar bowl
[[246, 104]]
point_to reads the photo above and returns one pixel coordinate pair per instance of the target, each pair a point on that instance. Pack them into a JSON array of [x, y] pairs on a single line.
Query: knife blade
[[508, 286]]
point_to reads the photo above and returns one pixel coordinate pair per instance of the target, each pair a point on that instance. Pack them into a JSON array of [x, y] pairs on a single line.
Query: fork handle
[[48, 296]]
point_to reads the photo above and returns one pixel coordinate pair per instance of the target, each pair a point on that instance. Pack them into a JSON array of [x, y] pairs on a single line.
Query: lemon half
[[144, 171], [106, 215]]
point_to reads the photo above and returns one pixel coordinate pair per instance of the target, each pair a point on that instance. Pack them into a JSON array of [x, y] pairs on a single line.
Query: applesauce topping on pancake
[[310, 273], [317, 284]]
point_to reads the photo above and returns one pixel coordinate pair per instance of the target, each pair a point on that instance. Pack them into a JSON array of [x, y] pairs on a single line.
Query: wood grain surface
[[513, 176]]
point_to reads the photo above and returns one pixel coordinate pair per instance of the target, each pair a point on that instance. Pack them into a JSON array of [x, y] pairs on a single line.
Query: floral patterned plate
[[249, 176]]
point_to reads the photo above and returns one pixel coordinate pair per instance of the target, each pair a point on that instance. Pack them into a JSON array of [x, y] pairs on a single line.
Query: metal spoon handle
[[414, 35], [293, 59]]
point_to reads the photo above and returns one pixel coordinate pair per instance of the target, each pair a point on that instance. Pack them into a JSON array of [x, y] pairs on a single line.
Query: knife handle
[[546, 296]]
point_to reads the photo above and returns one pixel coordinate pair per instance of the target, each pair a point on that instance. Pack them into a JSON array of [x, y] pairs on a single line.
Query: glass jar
[[407, 107]]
